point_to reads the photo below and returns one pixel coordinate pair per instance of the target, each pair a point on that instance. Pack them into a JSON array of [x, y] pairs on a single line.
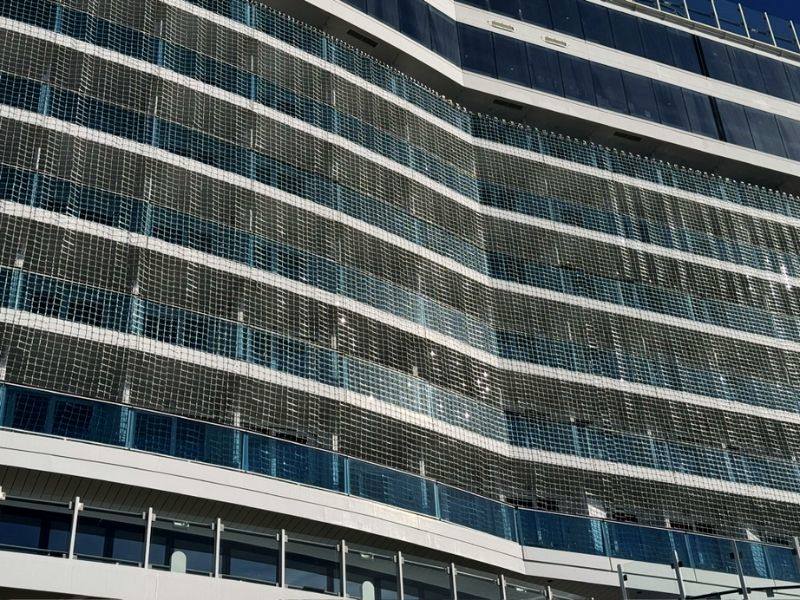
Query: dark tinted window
[[734, 123], [414, 20], [512, 60], [775, 80], [444, 36], [701, 11], [626, 32], [484, 4], [596, 25], [510, 8], [790, 132], [793, 74], [717, 60], [537, 12], [386, 11], [701, 114], [477, 53], [640, 95], [566, 17], [577, 77], [656, 42], [746, 69], [608, 88], [671, 106], [766, 135], [684, 50], [544, 68]]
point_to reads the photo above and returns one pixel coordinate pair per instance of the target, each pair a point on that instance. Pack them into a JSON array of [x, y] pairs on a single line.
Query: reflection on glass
[[312, 566], [371, 576], [249, 556], [426, 581]]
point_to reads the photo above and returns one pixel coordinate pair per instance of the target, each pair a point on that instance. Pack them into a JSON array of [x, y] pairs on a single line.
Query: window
[[656, 42], [512, 60], [671, 106], [544, 69], [626, 32], [596, 24], [701, 11], [444, 36], [766, 135], [790, 132], [509, 8], [776, 82], [729, 17], [717, 61], [385, 11], [734, 124], [414, 20], [793, 74], [684, 50], [640, 95], [577, 77], [746, 69], [566, 17], [608, 88], [537, 12], [477, 52], [701, 114]]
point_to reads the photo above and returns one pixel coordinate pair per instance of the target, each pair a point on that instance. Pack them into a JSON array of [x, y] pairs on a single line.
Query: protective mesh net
[[211, 210]]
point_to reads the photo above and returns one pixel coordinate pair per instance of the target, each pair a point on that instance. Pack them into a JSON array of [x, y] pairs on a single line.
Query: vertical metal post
[[716, 13], [453, 581], [740, 572], [678, 575], [217, 544], [149, 516], [73, 532], [744, 20], [623, 591], [548, 593], [343, 568], [401, 588], [771, 32], [797, 552], [282, 558], [2, 493], [686, 8], [503, 592], [658, 4], [796, 37]]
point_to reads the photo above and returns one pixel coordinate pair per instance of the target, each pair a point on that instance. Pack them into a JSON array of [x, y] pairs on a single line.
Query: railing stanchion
[[217, 544], [796, 541], [282, 558], [73, 532], [343, 568], [502, 582], [676, 565], [623, 590], [737, 559], [149, 516], [453, 581], [401, 590]]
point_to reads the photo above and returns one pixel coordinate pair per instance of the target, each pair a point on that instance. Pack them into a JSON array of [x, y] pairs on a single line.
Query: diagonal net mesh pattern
[[211, 210]]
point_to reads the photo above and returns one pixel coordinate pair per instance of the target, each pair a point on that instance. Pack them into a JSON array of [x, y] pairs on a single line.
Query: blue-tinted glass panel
[[656, 41], [444, 36], [684, 50], [608, 87], [711, 554], [560, 532], [537, 12], [776, 81], [734, 123], [566, 17], [484, 4], [359, 4], [248, 557], [701, 11], [783, 564], [766, 135], [110, 540], [671, 107], [512, 60], [42, 530], [477, 52], [633, 542], [784, 36], [385, 11], [746, 69], [170, 540], [674, 7], [701, 114], [414, 20], [576, 75], [790, 133], [312, 567], [627, 36], [509, 8], [641, 97], [544, 68], [729, 17], [596, 24], [717, 61], [391, 487], [793, 75], [757, 25]]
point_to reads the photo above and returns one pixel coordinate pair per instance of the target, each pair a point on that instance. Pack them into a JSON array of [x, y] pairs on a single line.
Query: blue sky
[[789, 9]]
